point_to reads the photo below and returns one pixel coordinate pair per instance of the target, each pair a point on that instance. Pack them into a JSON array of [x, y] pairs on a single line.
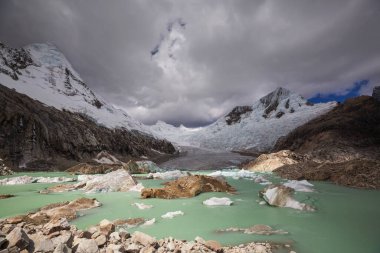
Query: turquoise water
[[347, 220]]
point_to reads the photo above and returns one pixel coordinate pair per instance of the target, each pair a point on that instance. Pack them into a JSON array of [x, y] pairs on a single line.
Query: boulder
[[17, 237], [143, 239], [62, 248], [281, 196], [106, 227], [56, 225], [87, 246], [187, 187], [213, 245], [272, 161], [101, 240], [44, 245]]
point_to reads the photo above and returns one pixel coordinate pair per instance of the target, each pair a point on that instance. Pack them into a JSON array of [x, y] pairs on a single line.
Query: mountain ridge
[[42, 72], [256, 127]]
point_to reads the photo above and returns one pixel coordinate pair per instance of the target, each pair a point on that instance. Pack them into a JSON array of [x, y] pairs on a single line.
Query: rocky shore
[[48, 230]]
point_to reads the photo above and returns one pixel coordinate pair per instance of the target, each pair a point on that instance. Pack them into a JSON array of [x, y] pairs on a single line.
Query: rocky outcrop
[[236, 114], [54, 213], [358, 173], [281, 196], [187, 187], [342, 146], [349, 131], [44, 138], [272, 161], [92, 168], [376, 93]]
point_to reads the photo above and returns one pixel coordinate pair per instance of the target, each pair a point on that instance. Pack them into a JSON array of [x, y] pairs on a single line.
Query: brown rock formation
[[358, 173], [272, 161], [187, 187], [349, 131], [56, 211]]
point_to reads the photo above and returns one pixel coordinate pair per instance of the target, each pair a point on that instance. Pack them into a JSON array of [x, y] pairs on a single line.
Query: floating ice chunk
[[149, 222], [137, 188], [86, 177], [171, 215], [169, 175], [300, 186], [54, 179], [142, 206], [281, 196], [218, 202], [30, 180]]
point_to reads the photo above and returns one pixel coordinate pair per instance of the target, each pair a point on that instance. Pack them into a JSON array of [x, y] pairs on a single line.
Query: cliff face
[[349, 131], [39, 137]]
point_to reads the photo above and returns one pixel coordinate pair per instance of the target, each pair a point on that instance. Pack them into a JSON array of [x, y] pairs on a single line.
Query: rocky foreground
[[48, 230]]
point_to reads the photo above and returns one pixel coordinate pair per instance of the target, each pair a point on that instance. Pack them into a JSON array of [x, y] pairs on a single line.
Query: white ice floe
[[300, 186], [149, 222], [218, 202], [171, 215], [169, 175], [54, 179], [30, 180], [239, 174], [281, 197], [142, 206], [137, 188]]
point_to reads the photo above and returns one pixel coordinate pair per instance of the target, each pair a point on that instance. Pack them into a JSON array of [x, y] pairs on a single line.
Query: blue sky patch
[[354, 91]]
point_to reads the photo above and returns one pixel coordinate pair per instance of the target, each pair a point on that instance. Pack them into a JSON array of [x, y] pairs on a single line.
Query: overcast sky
[[192, 61]]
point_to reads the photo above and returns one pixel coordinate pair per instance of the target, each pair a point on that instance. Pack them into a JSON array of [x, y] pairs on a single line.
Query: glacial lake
[[347, 220]]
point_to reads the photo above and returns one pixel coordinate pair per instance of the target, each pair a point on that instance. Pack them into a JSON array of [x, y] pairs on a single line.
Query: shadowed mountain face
[[349, 131], [41, 137]]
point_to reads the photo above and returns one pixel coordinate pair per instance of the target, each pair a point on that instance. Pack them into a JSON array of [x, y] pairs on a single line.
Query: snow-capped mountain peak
[[256, 126], [43, 73]]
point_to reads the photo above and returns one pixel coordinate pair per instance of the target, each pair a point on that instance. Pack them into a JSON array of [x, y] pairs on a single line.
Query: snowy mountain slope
[[180, 134], [43, 73], [256, 127]]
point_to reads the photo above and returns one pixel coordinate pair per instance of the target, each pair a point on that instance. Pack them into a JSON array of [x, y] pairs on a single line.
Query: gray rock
[[101, 240], [3, 243], [144, 239], [56, 225], [45, 245], [87, 246], [17, 237], [62, 248]]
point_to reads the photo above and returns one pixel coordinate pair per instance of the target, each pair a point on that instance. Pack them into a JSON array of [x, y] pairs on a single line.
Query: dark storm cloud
[[228, 52]]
